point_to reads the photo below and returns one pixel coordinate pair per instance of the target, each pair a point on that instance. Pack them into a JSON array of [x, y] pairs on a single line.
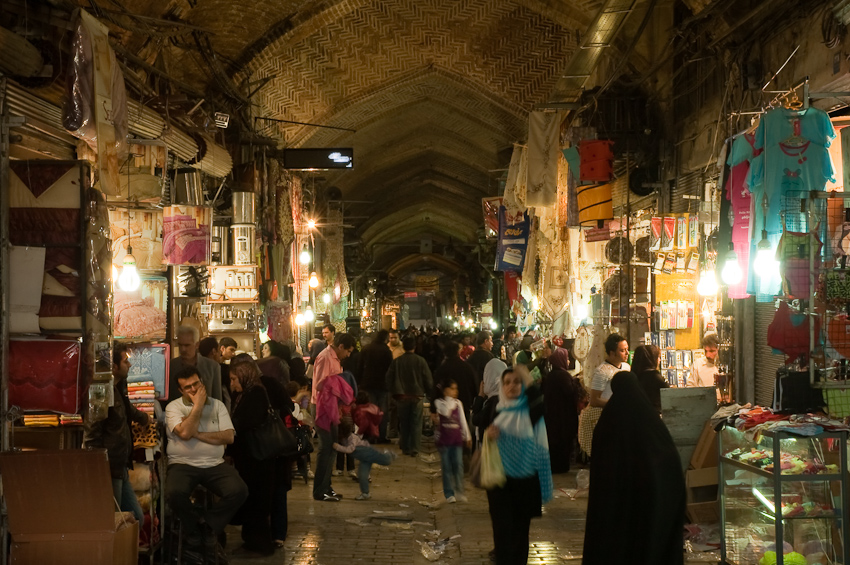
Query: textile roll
[[543, 153]]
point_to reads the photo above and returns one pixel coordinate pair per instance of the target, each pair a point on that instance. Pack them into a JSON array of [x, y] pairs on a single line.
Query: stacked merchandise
[[41, 421], [675, 363], [142, 395], [70, 420]]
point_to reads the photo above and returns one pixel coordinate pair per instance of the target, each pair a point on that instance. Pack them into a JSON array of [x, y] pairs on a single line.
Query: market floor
[[408, 510]]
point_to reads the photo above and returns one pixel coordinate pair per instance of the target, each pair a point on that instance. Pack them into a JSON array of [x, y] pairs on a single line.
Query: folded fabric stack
[[142, 394], [42, 421], [71, 420]]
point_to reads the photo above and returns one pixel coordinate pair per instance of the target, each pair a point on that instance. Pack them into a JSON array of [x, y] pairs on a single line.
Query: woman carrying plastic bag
[[516, 437]]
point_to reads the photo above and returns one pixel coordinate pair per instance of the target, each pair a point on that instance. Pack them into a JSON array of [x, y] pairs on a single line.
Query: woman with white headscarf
[[519, 429], [488, 395]]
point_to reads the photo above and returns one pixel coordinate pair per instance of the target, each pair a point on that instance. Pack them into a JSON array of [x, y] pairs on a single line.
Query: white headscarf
[[493, 376]]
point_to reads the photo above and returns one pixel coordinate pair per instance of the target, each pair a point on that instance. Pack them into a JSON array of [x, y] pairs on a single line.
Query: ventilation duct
[[143, 121]]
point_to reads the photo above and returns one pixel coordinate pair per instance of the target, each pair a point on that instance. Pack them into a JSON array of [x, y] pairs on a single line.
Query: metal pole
[[4, 298]]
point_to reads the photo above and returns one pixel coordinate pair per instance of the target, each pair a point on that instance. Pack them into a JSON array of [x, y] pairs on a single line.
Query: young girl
[[355, 445], [452, 434], [367, 417]]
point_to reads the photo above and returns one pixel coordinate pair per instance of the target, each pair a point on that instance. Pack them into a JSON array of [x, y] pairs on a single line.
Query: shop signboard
[[513, 240]]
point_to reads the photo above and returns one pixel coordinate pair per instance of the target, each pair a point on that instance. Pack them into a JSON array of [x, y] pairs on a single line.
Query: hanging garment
[[789, 332], [795, 160], [543, 153], [515, 186], [596, 160], [793, 252], [594, 204]]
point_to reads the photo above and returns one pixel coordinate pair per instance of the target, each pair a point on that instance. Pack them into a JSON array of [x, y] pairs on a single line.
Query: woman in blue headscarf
[[520, 431]]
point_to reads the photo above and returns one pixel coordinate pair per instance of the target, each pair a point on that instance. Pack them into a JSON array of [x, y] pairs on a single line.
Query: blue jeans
[[122, 490], [379, 399], [409, 424], [324, 461], [451, 463], [367, 457]]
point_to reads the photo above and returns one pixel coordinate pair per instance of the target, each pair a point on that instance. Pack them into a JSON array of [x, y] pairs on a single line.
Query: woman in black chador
[[636, 509]]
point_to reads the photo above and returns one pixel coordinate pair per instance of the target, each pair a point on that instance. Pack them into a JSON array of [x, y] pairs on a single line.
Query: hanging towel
[[543, 153]]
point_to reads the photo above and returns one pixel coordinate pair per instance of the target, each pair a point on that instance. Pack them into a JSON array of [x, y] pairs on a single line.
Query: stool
[[201, 498]]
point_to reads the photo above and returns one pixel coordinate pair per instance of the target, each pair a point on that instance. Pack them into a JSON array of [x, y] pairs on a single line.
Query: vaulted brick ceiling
[[437, 91]]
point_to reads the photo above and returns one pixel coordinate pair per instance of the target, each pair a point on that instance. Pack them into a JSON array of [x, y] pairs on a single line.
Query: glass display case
[[800, 509]]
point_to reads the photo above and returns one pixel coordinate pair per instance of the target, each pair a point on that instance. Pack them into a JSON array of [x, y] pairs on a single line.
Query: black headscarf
[[636, 509]]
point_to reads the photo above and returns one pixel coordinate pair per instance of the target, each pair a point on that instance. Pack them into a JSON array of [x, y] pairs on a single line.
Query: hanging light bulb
[[299, 319], [731, 273], [765, 263], [129, 279], [308, 315], [455, 324], [707, 285], [582, 312], [314, 280], [364, 313], [311, 224], [304, 258], [493, 325], [326, 298]]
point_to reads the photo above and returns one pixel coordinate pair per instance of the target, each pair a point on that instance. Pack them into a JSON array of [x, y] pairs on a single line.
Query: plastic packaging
[[583, 480]]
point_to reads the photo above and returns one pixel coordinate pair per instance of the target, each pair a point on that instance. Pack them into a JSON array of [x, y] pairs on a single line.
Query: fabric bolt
[[543, 153], [636, 470]]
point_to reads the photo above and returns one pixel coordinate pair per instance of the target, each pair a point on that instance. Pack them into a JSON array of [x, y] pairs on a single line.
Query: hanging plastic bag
[[492, 471]]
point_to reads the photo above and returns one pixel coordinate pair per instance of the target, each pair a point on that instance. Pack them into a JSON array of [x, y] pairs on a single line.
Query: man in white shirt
[[198, 428], [616, 351], [704, 370]]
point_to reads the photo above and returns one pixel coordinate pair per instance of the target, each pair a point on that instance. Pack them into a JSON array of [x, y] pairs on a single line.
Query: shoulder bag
[[271, 439]]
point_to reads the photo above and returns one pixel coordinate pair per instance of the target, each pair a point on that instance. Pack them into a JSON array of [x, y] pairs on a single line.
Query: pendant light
[[309, 316], [314, 280], [129, 279], [304, 258], [765, 263], [707, 285], [731, 273]]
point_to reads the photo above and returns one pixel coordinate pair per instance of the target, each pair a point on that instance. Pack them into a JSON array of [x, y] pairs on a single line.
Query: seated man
[[198, 428]]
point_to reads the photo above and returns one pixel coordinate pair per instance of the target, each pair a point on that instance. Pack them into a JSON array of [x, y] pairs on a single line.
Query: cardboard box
[[703, 506], [705, 452], [61, 509]]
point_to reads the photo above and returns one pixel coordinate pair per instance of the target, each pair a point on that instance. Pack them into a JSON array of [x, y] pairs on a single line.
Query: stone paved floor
[[406, 508]]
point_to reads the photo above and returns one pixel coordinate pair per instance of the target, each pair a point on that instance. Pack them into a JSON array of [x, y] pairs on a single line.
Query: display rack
[[803, 506]]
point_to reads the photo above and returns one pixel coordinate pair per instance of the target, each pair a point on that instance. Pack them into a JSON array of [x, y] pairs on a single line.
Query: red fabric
[[790, 335], [44, 375], [591, 150], [333, 393], [367, 417], [44, 226], [59, 306], [512, 286]]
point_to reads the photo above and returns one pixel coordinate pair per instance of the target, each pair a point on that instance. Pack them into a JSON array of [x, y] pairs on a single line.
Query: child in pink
[[367, 417]]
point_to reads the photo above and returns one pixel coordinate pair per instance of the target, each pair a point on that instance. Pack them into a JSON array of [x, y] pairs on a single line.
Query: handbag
[[271, 439], [304, 439], [492, 473], [475, 468]]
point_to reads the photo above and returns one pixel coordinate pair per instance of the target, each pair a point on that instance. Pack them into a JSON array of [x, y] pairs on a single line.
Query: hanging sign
[[513, 240]]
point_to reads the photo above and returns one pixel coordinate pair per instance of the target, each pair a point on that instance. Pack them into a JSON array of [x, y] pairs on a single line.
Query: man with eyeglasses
[[198, 428]]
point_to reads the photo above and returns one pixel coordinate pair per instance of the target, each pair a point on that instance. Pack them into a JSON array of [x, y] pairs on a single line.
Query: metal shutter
[[766, 362], [690, 184]]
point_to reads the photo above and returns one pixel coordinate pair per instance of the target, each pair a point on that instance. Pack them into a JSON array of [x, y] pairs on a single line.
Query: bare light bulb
[[129, 279], [707, 285], [731, 273], [314, 280], [493, 325], [299, 319], [308, 315], [304, 258], [311, 224], [326, 298]]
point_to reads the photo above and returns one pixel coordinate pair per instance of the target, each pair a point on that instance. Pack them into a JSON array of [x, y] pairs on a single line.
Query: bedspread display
[[186, 235], [140, 313], [44, 375], [145, 237]]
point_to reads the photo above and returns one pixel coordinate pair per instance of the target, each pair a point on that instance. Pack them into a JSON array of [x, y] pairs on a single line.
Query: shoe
[[461, 498], [310, 474], [363, 496], [333, 493], [393, 455], [327, 498], [337, 473], [353, 474], [451, 500]]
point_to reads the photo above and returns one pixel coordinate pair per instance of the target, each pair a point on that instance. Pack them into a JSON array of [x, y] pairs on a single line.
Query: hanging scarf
[[524, 448]]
